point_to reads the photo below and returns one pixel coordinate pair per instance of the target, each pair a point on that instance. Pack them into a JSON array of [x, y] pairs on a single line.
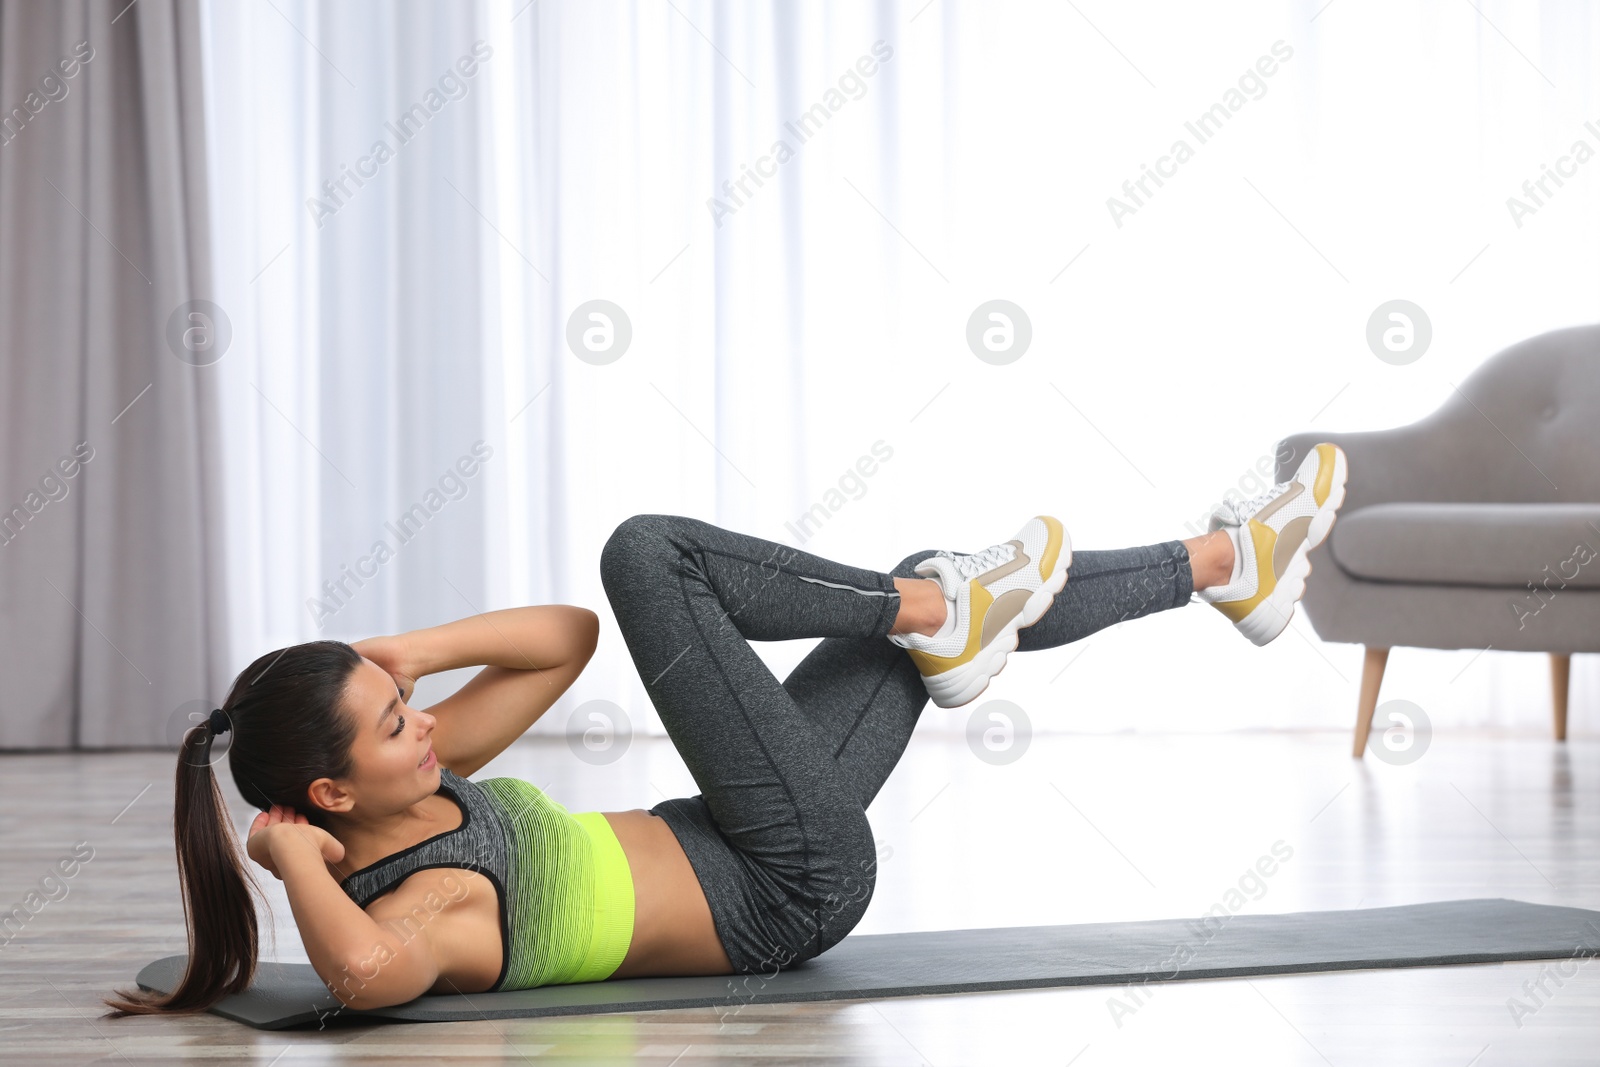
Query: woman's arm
[[528, 638], [363, 964], [532, 655]]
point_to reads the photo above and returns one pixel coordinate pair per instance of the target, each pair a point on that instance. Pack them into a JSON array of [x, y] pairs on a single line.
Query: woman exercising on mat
[[405, 878]]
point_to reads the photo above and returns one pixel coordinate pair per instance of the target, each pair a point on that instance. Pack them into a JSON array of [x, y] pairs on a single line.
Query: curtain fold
[[113, 618]]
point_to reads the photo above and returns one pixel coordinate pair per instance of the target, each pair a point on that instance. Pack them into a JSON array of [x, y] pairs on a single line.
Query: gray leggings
[[778, 836]]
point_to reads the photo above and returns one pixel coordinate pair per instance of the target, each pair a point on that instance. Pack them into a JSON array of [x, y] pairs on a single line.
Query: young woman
[[406, 878]]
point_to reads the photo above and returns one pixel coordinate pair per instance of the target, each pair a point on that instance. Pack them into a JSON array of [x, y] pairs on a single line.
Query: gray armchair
[[1477, 526]]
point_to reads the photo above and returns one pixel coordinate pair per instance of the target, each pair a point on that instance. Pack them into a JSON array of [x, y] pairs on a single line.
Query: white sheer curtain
[[814, 325]]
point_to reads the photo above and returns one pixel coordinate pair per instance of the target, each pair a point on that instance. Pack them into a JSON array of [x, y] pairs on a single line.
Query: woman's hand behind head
[[393, 654], [270, 826]]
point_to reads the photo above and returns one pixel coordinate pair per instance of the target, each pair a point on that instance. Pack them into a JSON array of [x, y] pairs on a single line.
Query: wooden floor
[[1080, 829]]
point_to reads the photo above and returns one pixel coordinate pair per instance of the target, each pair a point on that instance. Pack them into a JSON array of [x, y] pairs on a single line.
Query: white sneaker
[[989, 597], [1273, 533]]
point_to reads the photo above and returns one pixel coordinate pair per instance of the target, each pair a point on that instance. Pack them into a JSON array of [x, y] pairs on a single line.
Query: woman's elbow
[[587, 629], [402, 977]]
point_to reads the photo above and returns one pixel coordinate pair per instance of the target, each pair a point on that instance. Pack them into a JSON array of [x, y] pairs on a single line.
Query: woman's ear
[[328, 796]]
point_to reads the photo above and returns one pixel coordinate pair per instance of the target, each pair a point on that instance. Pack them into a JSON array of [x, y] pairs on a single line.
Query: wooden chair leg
[[1371, 678], [1560, 673]]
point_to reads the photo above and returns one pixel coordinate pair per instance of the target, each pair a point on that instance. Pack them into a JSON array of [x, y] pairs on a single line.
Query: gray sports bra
[[478, 844]]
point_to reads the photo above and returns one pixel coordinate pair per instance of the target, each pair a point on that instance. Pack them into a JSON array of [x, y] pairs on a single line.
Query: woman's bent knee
[[839, 899], [635, 539]]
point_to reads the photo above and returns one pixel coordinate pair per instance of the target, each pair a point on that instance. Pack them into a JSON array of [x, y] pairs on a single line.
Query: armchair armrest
[[1385, 466], [1506, 434]]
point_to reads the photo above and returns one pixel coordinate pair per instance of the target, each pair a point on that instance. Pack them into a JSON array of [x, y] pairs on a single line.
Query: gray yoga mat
[[965, 961]]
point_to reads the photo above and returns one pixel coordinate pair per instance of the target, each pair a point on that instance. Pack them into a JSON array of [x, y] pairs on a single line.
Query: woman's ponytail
[[219, 910], [286, 728]]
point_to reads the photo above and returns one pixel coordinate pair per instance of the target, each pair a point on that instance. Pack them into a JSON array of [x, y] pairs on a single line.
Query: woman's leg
[[865, 696], [689, 596], [1109, 586]]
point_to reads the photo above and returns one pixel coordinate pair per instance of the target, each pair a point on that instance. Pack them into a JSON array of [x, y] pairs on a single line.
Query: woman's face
[[393, 751]]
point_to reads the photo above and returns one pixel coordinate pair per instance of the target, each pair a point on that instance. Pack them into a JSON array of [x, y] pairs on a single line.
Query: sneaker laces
[[1246, 508], [970, 565]]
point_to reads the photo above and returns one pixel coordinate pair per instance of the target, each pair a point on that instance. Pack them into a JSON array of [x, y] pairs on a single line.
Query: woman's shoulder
[[458, 910], [360, 864]]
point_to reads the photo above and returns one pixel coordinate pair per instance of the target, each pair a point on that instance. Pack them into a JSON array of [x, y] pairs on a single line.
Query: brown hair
[[286, 731]]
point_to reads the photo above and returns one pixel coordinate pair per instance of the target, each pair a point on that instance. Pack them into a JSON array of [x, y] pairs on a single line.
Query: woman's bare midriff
[[673, 933]]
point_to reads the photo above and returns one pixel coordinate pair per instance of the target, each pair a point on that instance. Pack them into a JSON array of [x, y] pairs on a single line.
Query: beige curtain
[[112, 622]]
